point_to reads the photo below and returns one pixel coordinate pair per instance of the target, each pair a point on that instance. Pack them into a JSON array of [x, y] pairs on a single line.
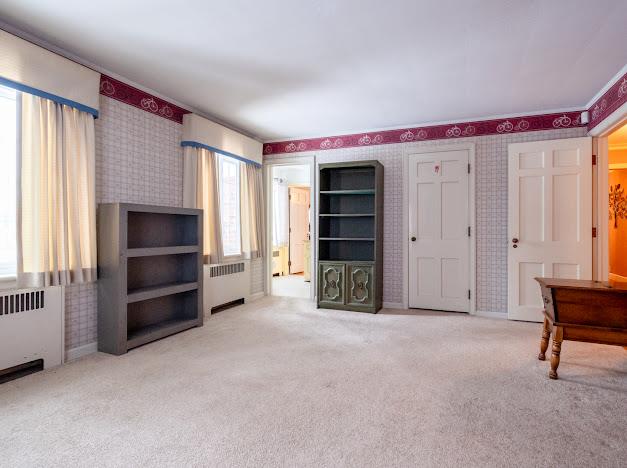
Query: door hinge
[[468, 168], [289, 263], [468, 231], [594, 159], [594, 232], [469, 294]]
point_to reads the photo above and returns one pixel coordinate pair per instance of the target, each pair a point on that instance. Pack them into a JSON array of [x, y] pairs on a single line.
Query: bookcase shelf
[[347, 192], [350, 230], [345, 215], [152, 251], [150, 274], [369, 239]]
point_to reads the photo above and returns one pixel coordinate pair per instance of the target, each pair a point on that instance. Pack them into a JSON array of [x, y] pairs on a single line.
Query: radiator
[[31, 327], [225, 283]]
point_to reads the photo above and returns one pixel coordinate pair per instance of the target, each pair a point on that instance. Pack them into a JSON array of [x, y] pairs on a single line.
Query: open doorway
[[291, 231], [617, 200]]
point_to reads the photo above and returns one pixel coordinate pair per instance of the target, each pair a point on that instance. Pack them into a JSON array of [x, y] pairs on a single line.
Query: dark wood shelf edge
[[361, 239], [347, 215], [153, 251], [348, 192], [161, 330], [152, 292]]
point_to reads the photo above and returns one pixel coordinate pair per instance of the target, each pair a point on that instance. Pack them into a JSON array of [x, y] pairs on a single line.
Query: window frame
[[10, 282], [241, 255]]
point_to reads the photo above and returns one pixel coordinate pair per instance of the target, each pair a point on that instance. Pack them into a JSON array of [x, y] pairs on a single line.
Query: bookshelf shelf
[[150, 274]]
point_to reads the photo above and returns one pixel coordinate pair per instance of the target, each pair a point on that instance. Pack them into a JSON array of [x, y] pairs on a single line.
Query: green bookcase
[[350, 236]]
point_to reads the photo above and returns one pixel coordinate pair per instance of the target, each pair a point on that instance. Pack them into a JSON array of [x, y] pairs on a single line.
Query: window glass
[[8, 185], [229, 180]]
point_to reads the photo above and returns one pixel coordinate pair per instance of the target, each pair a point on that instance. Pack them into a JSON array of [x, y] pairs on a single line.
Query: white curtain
[[280, 213], [57, 207], [200, 190], [253, 220]]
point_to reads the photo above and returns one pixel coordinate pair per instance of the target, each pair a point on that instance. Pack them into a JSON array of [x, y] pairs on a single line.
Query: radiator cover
[[226, 283], [31, 327]]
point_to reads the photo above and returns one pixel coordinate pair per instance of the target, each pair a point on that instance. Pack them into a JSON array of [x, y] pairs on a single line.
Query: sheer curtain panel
[[253, 220], [200, 190], [57, 206]]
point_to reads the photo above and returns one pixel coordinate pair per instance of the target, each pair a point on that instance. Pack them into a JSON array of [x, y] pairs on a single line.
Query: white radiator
[[226, 283], [31, 327]]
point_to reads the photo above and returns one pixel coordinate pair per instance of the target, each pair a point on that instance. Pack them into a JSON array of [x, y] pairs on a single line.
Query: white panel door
[[439, 244], [299, 227], [550, 219]]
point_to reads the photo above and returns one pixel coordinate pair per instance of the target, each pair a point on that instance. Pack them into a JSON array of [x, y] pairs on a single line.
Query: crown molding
[[607, 86], [448, 131], [614, 96]]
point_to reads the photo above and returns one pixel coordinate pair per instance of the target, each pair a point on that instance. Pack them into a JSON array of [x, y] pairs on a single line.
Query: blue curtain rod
[[53, 97], [195, 144]]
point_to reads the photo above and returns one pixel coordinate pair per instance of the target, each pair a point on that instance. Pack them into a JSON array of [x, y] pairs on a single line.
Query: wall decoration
[[434, 132], [611, 100], [618, 204], [132, 96]]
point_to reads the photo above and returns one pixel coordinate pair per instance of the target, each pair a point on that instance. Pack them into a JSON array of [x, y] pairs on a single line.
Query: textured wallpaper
[[139, 160], [491, 207]]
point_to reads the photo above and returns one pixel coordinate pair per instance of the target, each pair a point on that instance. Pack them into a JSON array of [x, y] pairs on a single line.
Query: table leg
[[558, 337], [544, 342]]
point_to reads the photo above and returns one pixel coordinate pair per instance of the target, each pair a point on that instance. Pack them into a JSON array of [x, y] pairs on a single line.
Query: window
[[229, 180], [8, 183]]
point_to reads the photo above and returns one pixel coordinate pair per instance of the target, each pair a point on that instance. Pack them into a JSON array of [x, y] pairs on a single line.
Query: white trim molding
[[394, 305], [492, 315], [256, 296], [80, 351], [619, 278], [610, 123], [267, 184]]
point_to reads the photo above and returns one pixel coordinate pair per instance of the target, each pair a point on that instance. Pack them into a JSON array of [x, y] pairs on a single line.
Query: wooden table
[[581, 310]]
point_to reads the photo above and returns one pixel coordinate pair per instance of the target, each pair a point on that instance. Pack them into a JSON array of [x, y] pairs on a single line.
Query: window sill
[[8, 283]]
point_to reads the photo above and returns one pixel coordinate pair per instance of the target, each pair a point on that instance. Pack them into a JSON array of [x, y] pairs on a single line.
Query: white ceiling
[[285, 68]]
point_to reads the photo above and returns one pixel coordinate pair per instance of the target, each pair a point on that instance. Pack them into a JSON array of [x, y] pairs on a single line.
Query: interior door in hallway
[[299, 227], [550, 219], [439, 244]]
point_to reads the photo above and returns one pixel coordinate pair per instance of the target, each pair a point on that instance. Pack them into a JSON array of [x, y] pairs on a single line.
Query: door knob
[[515, 240], [413, 238]]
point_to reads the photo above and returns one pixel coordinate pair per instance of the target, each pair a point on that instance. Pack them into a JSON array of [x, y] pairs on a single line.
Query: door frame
[[289, 221], [600, 177], [470, 147], [267, 186]]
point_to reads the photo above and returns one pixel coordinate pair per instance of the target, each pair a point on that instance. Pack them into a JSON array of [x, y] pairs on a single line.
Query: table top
[[611, 286]]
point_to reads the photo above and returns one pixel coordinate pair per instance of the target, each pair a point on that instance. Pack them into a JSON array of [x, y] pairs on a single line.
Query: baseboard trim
[[256, 296], [615, 277], [393, 305], [494, 315], [80, 351]]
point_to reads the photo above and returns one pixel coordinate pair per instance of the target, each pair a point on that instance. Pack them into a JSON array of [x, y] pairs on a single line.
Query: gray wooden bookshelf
[[350, 236], [150, 268]]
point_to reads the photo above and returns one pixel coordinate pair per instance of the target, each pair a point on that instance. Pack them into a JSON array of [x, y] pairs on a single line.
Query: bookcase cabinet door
[[331, 283], [359, 284]]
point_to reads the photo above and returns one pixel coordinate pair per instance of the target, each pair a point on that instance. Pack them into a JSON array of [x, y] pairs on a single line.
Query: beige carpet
[[279, 383], [291, 286]]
